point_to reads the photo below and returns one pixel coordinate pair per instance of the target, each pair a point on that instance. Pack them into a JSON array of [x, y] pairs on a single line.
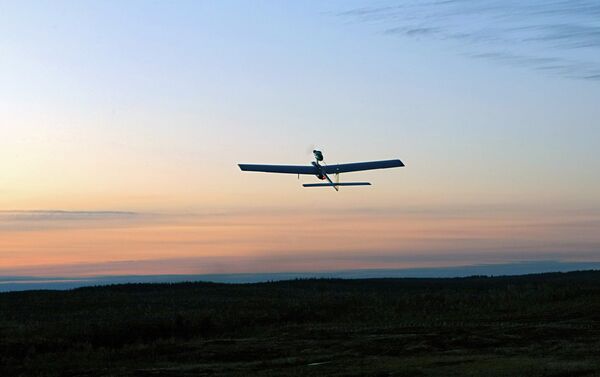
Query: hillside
[[542, 325]]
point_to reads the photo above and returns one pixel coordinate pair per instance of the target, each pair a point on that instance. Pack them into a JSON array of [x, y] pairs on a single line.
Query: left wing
[[358, 166], [286, 169]]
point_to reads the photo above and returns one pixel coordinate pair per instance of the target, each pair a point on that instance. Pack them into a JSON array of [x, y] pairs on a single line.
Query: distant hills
[[21, 283]]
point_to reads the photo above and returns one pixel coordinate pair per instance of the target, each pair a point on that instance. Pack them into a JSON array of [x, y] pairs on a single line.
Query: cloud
[[23, 220], [558, 37], [28, 215]]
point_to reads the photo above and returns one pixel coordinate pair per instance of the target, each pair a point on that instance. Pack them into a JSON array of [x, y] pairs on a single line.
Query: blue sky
[[147, 107]]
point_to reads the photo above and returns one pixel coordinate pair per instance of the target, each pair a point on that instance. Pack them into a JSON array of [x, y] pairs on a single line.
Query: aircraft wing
[[359, 166], [286, 169]]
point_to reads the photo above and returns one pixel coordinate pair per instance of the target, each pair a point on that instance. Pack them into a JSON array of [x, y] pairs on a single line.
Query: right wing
[[286, 169], [360, 166]]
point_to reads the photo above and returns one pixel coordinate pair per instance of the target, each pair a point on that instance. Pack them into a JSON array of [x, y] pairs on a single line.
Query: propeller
[[310, 149]]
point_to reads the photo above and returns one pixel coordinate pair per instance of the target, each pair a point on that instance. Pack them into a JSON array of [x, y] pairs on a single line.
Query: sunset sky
[[122, 123]]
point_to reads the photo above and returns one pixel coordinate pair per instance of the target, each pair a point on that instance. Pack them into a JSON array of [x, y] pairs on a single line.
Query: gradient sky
[[121, 124]]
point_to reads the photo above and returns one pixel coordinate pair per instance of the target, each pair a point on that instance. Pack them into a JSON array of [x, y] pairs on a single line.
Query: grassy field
[[535, 325]]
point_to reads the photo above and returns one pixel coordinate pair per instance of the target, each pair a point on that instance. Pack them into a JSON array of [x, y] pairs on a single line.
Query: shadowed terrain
[[539, 325]]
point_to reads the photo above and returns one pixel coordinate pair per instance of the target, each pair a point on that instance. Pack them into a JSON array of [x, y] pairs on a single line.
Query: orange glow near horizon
[[90, 243]]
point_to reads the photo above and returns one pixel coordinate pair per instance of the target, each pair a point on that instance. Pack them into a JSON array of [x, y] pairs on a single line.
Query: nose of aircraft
[[318, 155]]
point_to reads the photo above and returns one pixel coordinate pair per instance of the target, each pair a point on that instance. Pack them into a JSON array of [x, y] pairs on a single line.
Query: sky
[[122, 123]]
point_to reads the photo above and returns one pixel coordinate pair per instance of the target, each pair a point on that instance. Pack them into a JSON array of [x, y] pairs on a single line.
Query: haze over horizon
[[122, 124]]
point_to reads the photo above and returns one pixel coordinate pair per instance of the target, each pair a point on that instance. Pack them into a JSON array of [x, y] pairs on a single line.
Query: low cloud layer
[[557, 37], [28, 220], [42, 215], [291, 241], [327, 262]]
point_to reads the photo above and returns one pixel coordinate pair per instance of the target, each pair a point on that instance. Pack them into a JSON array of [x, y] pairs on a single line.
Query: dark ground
[[535, 325]]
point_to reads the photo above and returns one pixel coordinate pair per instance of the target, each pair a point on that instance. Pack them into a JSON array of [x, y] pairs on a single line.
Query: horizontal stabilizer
[[336, 184]]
